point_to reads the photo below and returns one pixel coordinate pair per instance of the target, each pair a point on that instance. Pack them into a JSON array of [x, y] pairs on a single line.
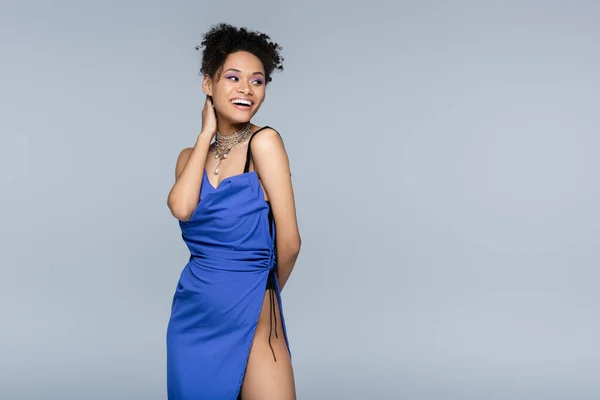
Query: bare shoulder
[[266, 140], [269, 156], [182, 160], [185, 154]]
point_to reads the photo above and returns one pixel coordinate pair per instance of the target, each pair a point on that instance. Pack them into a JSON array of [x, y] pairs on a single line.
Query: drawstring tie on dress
[[272, 313]]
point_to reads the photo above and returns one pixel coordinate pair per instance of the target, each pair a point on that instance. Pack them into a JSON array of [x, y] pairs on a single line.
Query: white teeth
[[241, 101]]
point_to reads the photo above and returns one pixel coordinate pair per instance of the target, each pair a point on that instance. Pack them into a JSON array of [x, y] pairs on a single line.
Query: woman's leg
[[269, 376]]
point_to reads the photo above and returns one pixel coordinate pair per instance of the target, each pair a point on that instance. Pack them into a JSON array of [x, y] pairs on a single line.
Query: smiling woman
[[233, 197]]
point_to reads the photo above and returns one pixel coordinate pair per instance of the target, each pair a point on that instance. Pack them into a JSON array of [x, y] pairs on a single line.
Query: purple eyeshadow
[[235, 76]]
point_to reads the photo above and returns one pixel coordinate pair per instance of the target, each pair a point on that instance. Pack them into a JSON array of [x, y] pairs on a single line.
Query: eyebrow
[[237, 70]]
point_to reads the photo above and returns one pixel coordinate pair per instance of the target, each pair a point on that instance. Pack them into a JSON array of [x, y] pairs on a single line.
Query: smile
[[242, 104]]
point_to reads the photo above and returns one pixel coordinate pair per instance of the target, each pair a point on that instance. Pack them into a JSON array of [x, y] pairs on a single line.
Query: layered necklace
[[223, 144]]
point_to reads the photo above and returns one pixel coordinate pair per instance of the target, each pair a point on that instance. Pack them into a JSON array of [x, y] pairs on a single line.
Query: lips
[[243, 108], [241, 101], [242, 105]]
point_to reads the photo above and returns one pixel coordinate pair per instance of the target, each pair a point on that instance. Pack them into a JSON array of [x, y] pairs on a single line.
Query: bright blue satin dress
[[220, 292]]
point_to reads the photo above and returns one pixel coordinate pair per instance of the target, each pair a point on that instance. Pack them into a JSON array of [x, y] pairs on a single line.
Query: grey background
[[444, 158]]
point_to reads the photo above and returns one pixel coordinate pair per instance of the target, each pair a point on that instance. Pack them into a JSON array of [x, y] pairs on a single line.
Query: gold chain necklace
[[223, 144]]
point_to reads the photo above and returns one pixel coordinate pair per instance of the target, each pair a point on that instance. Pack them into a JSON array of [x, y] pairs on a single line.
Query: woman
[[226, 337]]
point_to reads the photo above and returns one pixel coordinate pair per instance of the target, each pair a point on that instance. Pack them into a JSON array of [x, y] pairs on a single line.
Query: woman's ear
[[207, 85]]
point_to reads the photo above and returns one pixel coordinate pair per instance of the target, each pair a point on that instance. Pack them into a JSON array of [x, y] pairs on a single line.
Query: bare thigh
[[265, 378]]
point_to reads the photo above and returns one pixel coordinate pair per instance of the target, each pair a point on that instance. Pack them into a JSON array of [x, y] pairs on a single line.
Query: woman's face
[[239, 89]]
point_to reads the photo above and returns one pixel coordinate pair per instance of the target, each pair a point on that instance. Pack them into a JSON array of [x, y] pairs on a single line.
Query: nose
[[244, 88]]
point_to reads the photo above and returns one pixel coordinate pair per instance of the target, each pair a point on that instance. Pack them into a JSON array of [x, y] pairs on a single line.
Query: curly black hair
[[223, 39]]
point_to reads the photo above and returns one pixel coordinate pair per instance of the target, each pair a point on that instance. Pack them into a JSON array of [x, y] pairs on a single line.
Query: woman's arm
[[189, 171], [183, 197], [272, 166]]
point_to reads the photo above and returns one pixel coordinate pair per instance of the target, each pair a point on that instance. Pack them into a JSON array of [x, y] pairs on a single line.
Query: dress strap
[[249, 152]]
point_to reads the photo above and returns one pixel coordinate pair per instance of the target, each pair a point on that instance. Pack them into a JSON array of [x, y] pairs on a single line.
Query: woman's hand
[[209, 119]]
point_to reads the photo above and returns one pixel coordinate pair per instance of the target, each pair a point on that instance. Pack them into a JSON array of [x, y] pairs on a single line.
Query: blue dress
[[219, 296]]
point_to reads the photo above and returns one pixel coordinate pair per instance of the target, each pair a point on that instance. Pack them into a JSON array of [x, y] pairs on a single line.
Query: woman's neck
[[227, 128]]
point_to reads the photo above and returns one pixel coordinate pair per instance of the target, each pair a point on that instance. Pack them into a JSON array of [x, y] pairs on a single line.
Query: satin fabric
[[220, 292]]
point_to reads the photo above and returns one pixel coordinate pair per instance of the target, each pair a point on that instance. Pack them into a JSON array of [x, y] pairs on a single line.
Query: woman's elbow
[[181, 213], [291, 247]]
